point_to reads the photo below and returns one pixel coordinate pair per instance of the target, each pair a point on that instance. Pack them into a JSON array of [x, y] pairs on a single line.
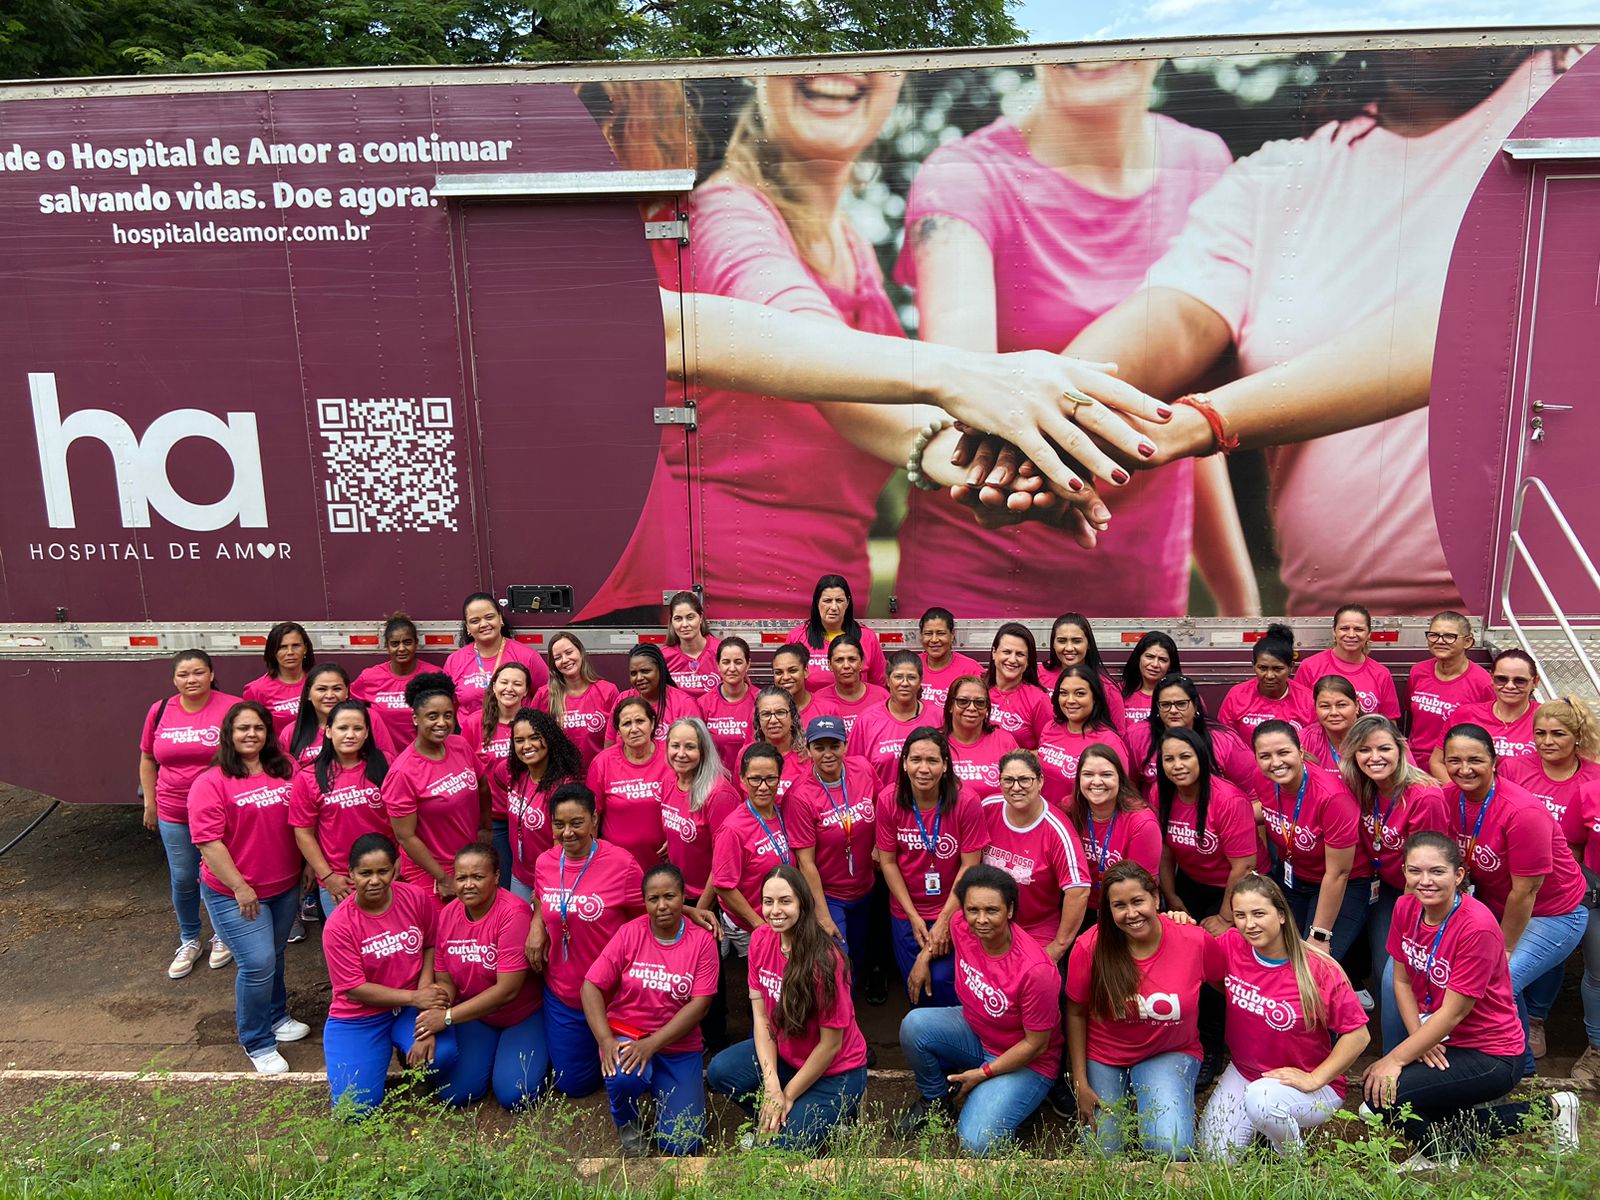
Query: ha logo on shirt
[[1485, 859], [1159, 1006]]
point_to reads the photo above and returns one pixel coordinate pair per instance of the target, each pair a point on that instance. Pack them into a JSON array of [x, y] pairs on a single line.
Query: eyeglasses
[[1443, 639], [761, 783], [1015, 783], [969, 702], [1511, 681], [1173, 705]]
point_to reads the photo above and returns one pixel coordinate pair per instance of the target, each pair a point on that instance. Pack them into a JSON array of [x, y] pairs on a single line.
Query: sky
[[1095, 20]]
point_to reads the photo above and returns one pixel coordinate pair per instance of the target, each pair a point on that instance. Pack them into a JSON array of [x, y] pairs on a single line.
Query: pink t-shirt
[[1135, 707], [827, 491], [1516, 837], [442, 795], [745, 849], [1433, 703], [600, 894], [1230, 833], [1465, 954], [696, 675], [1023, 712], [471, 672], [474, 953], [1386, 826], [1165, 1016], [1046, 859], [1003, 996], [308, 754], [385, 694], [878, 736], [1059, 752], [1563, 799], [979, 764], [383, 948], [1235, 760], [352, 806], [732, 723], [629, 797], [1133, 836], [250, 817], [1303, 825], [1329, 205], [929, 849], [829, 702], [691, 836], [281, 699], [648, 982], [1373, 683], [492, 764], [183, 745], [936, 683], [840, 822], [1266, 1023], [817, 674], [1063, 254], [676, 704], [1512, 739], [1116, 703], [767, 963], [528, 824], [586, 719], [1244, 707]]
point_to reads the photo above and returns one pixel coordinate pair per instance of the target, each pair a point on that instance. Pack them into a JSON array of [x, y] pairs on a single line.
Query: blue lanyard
[[1299, 799], [564, 899], [781, 851], [1427, 970], [842, 815], [489, 670], [1379, 820], [930, 844], [683, 925], [1477, 828], [1103, 849]]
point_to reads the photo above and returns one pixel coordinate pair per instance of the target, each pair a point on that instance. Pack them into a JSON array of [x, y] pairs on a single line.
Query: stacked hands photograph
[[801, 427]]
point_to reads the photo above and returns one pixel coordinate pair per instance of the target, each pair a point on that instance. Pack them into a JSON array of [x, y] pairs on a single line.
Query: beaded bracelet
[[919, 447], [1222, 442]]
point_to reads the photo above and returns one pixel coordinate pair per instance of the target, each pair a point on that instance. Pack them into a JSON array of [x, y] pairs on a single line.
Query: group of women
[[1094, 891]]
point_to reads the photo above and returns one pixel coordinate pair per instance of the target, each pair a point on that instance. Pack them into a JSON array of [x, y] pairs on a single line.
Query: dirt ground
[[86, 932]]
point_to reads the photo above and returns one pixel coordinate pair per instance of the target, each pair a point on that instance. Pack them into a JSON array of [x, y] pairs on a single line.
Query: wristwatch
[[1320, 935], [449, 1018]]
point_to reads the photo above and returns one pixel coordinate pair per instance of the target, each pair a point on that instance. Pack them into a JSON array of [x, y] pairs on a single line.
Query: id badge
[[932, 884], [1372, 894], [1288, 873]]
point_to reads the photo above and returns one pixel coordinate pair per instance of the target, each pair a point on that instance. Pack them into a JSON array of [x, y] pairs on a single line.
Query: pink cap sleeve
[[800, 816], [343, 956], [208, 817], [1144, 846], [1341, 818], [1344, 1010], [1473, 959], [707, 965], [841, 1014], [512, 941], [305, 799], [742, 248], [954, 181], [399, 793], [883, 829], [972, 831], [1214, 959], [726, 858], [606, 969], [1041, 991]]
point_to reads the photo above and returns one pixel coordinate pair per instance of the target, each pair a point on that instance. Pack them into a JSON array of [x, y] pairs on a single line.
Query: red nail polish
[[1163, 412], [1119, 476], [1146, 449], [1075, 483]]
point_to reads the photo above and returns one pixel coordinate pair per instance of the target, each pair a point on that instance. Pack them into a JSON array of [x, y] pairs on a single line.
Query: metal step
[[1561, 671]]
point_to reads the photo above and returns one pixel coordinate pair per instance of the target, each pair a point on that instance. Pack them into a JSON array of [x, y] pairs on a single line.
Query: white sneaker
[[1421, 1162], [1367, 1002], [269, 1062], [1566, 1122], [184, 960], [1364, 1110], [221, 956], [747, 1140], [290, 1030]]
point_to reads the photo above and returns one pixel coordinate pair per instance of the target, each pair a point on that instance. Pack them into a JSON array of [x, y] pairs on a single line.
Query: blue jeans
[[851, 918], [259, 998], [1546, 943], [511, 1061], [1352, 917], [736, 1073], [500, 827], [183, 872], [677, 1083], [521, 890], [943, 970], [1162, 1089], [358, 1051], [1453, 1109], [1591, 978], [938, 1042], [574, 1053]]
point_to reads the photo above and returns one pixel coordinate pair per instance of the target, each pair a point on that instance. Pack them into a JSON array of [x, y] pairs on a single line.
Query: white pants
[[1238, 1111]]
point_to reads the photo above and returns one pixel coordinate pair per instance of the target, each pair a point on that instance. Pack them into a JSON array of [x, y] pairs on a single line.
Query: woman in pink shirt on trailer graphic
[[576, 696], [691, 651]]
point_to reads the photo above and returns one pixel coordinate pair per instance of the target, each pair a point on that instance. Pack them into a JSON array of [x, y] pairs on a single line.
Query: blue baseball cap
[[827, 726]]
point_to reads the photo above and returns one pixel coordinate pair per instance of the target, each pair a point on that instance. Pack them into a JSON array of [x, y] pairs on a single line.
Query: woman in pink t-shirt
[[1337, 705], [1440, 684], [694, 805], [542, 758], [576, 696], [1509, 716], [832, 813], [1079, 718], [1274, 694], [492, 990], [779, 725], [1112, 818], [384, 686], [1038, 848], [630, 780], [1153, 657], [791, 672], [1178, 706], [289, 656], [1134, 984], [976, 745], [338, 798], [645, 998], [1463, 1048], [180, 736], [879, 733], [941, 664], [690, 651], [805, 1070], [833, 611], [652, 682], [999, 1053], [379, 950], [487, 641], [1018, 702], [1349, 657], [1017, 240], [325, 686], [729, 708], [488, 732], [849, 695], [1285, 1004], [1072, 644], [250, 872], [753, 839]]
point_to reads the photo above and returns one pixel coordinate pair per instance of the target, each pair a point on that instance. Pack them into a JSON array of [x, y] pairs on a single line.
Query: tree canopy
[[42, 38]]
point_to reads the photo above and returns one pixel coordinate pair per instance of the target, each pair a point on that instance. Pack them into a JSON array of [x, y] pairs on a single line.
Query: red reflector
[[531, 639], [892, 639], [774, 639], [363, 639], [652, 639], [1386, 635], [1253, 635], [252, 639], [438, 639], [1130, 639], [144, 640]]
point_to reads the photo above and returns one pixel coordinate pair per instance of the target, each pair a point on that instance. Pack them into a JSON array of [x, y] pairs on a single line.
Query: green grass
[[249, 1142]]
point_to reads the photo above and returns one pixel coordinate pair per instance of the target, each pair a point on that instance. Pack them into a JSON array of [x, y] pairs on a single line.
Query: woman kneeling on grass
[[1133, 989], [380, 962], [645, 997], [1003, 1044], [805, 1071], [1283, 1004], [1465, 1042]]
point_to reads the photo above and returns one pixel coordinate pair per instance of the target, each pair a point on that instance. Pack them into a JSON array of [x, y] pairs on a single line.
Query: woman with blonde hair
[[576, 696]]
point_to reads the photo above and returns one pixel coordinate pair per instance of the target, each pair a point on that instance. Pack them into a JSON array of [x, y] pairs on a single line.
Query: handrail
[[1519, 549]]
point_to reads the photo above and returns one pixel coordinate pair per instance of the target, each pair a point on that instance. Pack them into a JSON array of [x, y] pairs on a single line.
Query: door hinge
[[678, 414], [662, 231]]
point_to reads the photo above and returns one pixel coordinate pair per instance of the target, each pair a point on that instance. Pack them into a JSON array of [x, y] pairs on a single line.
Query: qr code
[[391, 464]]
